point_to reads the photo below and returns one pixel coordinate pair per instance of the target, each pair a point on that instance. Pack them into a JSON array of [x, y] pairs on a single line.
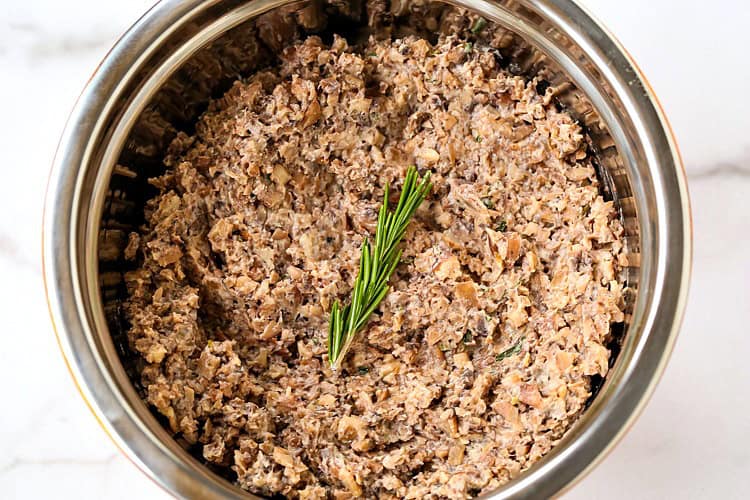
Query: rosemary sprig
[[375, 266]]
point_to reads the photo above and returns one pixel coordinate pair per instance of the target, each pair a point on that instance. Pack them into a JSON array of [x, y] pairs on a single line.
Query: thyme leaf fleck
[[513, 350]]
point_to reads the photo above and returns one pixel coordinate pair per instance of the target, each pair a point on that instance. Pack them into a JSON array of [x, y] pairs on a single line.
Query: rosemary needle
[[376, 265]]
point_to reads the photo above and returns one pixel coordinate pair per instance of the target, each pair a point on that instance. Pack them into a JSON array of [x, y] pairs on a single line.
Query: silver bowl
[[158, 78]]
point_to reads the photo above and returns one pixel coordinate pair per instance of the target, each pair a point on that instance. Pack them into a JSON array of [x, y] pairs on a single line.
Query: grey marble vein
[[69, 45], [10, 250], [36, 42], [20, 462], [721, 170]]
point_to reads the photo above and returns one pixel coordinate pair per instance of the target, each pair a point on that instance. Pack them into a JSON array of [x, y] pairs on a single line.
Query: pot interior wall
[[254, 44]]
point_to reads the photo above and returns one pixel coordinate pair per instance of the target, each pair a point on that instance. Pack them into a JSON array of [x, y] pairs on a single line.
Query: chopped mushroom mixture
[[482, 354]]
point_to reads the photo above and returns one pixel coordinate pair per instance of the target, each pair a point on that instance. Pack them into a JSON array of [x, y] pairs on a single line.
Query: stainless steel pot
[[158, 78]]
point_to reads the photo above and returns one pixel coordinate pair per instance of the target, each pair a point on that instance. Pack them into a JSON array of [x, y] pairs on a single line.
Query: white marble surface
[[693, 440]]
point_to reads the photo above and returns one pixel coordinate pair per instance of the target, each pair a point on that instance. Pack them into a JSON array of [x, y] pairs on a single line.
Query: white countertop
[[692, 441]]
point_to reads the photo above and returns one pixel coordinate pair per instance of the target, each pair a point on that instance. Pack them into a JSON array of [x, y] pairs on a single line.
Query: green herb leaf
[[468, 46], [515, 349], [487, 201], [363, 370], [501, 226], [479, 25], [376, 265], [467, 337]]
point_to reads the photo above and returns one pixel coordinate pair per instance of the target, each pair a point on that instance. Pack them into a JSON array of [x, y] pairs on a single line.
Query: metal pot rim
[[668, 251]]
